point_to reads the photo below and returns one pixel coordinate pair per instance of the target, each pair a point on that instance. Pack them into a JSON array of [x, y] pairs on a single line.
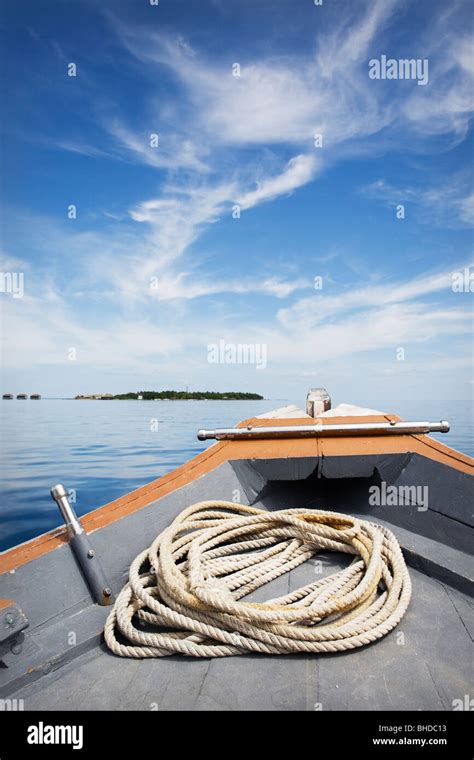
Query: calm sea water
[[104, 449]]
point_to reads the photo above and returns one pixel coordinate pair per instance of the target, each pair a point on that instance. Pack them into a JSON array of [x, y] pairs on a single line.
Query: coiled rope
[[183, 592]]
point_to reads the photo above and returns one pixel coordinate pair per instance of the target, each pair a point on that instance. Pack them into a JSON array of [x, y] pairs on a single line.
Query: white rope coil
[[184, 590]]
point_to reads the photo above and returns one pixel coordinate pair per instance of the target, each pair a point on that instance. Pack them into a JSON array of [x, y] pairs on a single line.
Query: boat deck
[[416, 667]]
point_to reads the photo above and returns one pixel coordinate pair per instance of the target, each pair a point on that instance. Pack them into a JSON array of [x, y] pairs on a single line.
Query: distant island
[[174, 396]]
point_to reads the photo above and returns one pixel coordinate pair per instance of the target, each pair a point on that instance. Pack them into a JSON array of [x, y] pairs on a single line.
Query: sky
[[227, 173]]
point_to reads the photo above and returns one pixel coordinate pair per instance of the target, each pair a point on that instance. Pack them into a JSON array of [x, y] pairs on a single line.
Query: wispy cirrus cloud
[[285, 101], [308, 313], [173, 152], [367, 319], [448, 203], [299, 171]]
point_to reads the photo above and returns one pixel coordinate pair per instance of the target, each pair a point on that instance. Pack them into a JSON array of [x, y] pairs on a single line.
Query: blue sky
[[155, 268]]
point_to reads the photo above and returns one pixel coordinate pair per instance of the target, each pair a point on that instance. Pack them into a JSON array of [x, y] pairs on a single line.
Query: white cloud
[[307, 313], [299, 171], [280, 100], [371, 330], [176, 220], [446, 105], [186, 286], [172, 152], [286, 101], [446, 204], [33, 336], [466, 209], [321, 329], [124, 265]]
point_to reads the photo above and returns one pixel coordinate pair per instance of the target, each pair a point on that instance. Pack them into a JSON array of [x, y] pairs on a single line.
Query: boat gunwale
[[228, 450]]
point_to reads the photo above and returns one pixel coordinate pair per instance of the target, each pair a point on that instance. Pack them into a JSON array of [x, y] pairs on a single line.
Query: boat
[[35, 397], [57, 590], [7, 396], [22, 396]]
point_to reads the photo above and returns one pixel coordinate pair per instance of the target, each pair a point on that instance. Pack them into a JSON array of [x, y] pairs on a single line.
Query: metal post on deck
[[82, 549]]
